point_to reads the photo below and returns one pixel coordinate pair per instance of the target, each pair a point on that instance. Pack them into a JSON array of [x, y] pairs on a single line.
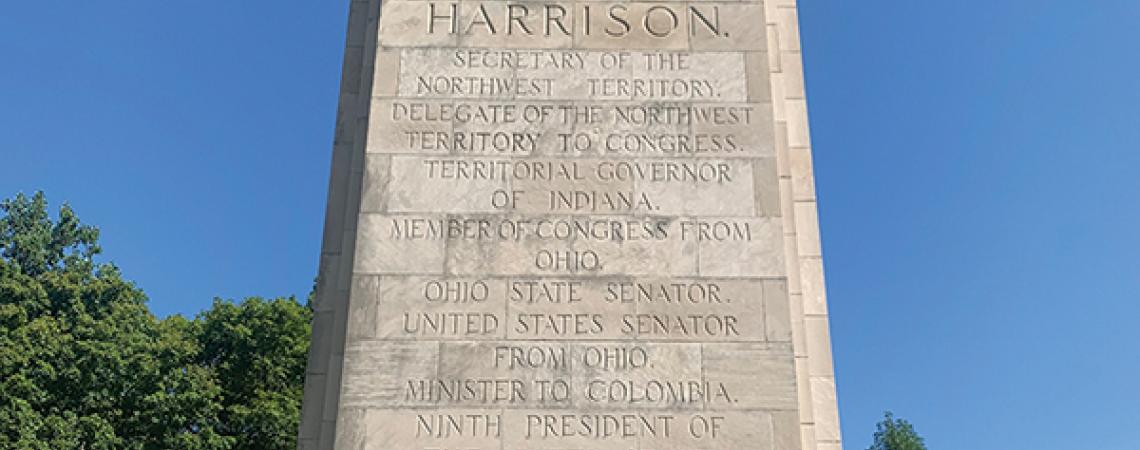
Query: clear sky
[[976, 160]]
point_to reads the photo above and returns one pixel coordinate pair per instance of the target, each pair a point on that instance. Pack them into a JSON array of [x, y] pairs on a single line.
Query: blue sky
[[976, 165]]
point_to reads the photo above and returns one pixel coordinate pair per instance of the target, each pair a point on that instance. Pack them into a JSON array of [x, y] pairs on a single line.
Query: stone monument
[[577, 225]]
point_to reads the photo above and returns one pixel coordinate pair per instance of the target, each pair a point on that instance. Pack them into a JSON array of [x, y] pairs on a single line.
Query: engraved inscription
[[571, 241], [529, 19]]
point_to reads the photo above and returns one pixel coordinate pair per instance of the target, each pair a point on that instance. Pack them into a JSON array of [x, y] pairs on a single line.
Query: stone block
[[569, 226]]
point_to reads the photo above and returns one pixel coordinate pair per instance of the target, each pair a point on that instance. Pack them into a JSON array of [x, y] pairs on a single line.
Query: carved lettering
[[549, 19]]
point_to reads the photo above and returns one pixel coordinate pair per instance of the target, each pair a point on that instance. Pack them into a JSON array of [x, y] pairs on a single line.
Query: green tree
[[83, 362], [35, 244], [258, 349], [896, 434], [85, 365]]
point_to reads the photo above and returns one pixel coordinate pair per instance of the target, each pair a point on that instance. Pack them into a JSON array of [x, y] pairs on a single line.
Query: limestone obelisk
[[571, 225]]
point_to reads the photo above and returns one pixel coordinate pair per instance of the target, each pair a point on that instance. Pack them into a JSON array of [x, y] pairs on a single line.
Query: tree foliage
[[257, 350], [85, 365], [35, 244], [896, 434]]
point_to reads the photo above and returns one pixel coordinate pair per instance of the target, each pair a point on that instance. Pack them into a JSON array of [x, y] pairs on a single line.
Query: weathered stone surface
[[571, 225]]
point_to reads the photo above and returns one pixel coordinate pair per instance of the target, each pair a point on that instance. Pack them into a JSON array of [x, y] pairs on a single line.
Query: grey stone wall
[[571, 225]]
